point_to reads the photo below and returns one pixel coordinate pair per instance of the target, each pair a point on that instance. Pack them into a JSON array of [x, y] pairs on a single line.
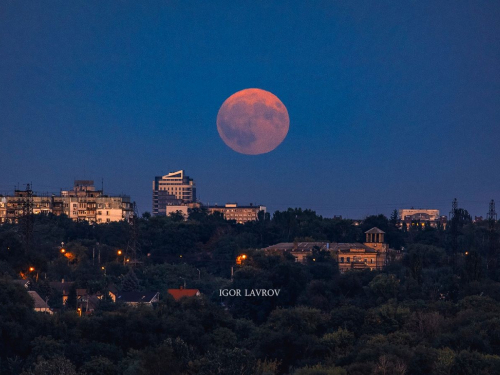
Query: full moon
[[253, 121]]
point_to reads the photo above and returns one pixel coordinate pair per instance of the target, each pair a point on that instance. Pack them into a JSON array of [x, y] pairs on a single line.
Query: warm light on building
[[172, 189], [83, 203], [240, 214]]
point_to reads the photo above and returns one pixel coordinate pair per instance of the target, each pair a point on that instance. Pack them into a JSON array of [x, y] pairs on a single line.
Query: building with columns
[[373, 254]]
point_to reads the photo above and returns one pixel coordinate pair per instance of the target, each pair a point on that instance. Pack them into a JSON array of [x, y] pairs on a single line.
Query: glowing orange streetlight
[[32, 269], [239, 261], [63, 251], [240, 258], [119, 252]]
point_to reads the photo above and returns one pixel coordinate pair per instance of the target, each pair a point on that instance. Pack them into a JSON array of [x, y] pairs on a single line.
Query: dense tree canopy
[[435, 311]]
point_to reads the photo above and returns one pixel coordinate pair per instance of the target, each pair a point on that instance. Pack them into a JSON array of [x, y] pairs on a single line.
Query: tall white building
[[172, 189]]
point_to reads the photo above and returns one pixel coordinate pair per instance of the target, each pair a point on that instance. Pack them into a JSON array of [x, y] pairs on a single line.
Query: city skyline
[[402, 208], [391, 106]]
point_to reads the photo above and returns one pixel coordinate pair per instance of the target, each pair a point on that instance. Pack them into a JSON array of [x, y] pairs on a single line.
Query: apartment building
[[83, 203], [240, 214], [173, 189], [412, 217]]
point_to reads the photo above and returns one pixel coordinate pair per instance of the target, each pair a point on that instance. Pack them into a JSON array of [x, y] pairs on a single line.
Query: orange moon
[[253, 121]]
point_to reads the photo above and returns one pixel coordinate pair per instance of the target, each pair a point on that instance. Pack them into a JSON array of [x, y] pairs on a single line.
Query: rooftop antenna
[[492, 214], [27, 219], [492, 248], [454, 207]]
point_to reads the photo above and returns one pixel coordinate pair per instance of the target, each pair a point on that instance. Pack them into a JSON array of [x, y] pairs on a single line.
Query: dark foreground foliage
[[437, 311]]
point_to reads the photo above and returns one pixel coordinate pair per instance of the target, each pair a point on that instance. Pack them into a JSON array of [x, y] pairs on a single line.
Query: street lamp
[[104, 269], [239, 262], [120, 253]]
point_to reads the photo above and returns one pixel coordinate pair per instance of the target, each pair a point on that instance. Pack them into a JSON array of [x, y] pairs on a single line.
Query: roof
[[113, 289], [62, 287], [299, 246], [25, 283], [348, 247], [39, 302], [180, 293], [136, 297], [81, 292], [375, 230]]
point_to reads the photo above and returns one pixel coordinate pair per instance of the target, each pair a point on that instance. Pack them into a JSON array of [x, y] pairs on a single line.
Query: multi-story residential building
[[372, 254], [84, 202], [183, 209], [411, 217], [172, 189], [240, 214]]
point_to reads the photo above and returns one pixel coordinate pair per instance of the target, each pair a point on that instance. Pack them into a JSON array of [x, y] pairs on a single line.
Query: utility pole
[[27, 219], [492, 248], [133, 242], [454, 232], [454, 208]]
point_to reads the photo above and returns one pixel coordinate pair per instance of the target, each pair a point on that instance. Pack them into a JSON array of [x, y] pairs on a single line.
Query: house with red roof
[[181, 293]]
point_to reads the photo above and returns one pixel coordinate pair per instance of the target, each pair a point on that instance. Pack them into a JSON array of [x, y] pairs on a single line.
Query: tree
[[130, 282], [53, 366], [394, 217]]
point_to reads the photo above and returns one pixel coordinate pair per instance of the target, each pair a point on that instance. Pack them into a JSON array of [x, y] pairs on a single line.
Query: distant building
[[40, 304], [412, 217], [300, 250], [372, 254], [181, 293], [83, 203], [25, 283], [173, 189], [240, 214], [183, 210], [138, 298], [63, 288]]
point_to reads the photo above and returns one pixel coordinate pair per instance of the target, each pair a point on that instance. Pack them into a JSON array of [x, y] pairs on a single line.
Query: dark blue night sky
[[391, 104]]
